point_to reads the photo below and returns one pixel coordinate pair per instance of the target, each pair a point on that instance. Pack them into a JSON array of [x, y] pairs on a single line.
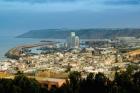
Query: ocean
[[8, 42]]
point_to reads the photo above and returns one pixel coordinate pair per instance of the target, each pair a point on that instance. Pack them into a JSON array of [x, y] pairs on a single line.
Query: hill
[[83, 33]]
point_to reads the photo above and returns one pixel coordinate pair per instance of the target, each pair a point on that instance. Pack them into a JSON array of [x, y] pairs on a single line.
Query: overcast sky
[[19, 16]]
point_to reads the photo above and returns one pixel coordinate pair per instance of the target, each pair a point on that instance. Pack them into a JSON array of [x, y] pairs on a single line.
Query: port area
[[20, 51]]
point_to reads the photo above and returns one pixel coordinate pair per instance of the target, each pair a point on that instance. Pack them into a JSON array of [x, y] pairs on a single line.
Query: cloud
[[69, 5], [42, 1], [109, 2], [122, 2]]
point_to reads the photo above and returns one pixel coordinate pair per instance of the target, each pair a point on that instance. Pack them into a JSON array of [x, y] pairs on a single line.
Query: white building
[[73, 41], [77, 42]]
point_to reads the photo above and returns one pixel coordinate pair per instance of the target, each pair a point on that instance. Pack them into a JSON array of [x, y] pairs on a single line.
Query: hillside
[[83, 33]]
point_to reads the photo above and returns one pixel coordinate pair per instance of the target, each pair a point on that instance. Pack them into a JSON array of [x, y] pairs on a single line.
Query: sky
[[19, 16]]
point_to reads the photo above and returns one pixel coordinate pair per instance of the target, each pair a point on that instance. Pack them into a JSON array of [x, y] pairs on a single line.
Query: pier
[[16, 52]]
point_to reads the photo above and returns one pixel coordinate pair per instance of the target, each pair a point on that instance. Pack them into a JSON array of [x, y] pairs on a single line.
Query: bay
[[8, 42]]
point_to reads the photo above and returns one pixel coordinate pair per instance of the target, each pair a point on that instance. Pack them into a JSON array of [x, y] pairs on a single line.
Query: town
[[53, 59]]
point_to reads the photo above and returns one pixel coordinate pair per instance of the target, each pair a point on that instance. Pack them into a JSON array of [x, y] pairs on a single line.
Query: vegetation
[[83, 33], [124, 82]]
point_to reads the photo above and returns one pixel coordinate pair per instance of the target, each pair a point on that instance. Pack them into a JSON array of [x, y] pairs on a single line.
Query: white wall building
[[73, 41]]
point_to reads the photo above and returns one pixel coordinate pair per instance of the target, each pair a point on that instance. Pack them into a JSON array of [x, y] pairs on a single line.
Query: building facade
[[73, 41]]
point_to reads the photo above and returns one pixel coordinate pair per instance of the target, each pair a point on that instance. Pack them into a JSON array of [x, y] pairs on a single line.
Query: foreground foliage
[[124, 82]]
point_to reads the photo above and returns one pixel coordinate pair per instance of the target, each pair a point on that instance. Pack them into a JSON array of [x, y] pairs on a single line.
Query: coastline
[[10, 42]]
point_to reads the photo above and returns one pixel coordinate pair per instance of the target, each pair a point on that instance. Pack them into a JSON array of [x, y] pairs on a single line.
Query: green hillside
[[83, 33]]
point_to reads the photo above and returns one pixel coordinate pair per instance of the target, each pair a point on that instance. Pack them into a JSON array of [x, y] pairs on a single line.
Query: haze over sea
[[8, 42]]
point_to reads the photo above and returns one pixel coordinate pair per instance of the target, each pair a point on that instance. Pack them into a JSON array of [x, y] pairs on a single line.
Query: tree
[[131, 68], [101, 83], [27, 85], [75, 78], [136, 80]]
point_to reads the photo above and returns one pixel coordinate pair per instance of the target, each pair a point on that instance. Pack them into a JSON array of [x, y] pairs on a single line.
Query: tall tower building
[[77, 42], [72, 34], [73, 41]]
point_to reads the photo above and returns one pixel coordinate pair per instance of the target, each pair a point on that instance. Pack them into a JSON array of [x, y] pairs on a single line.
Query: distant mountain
[[82, 33]]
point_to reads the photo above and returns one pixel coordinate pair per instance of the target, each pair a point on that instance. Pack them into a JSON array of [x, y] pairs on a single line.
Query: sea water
[[8, 42]]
